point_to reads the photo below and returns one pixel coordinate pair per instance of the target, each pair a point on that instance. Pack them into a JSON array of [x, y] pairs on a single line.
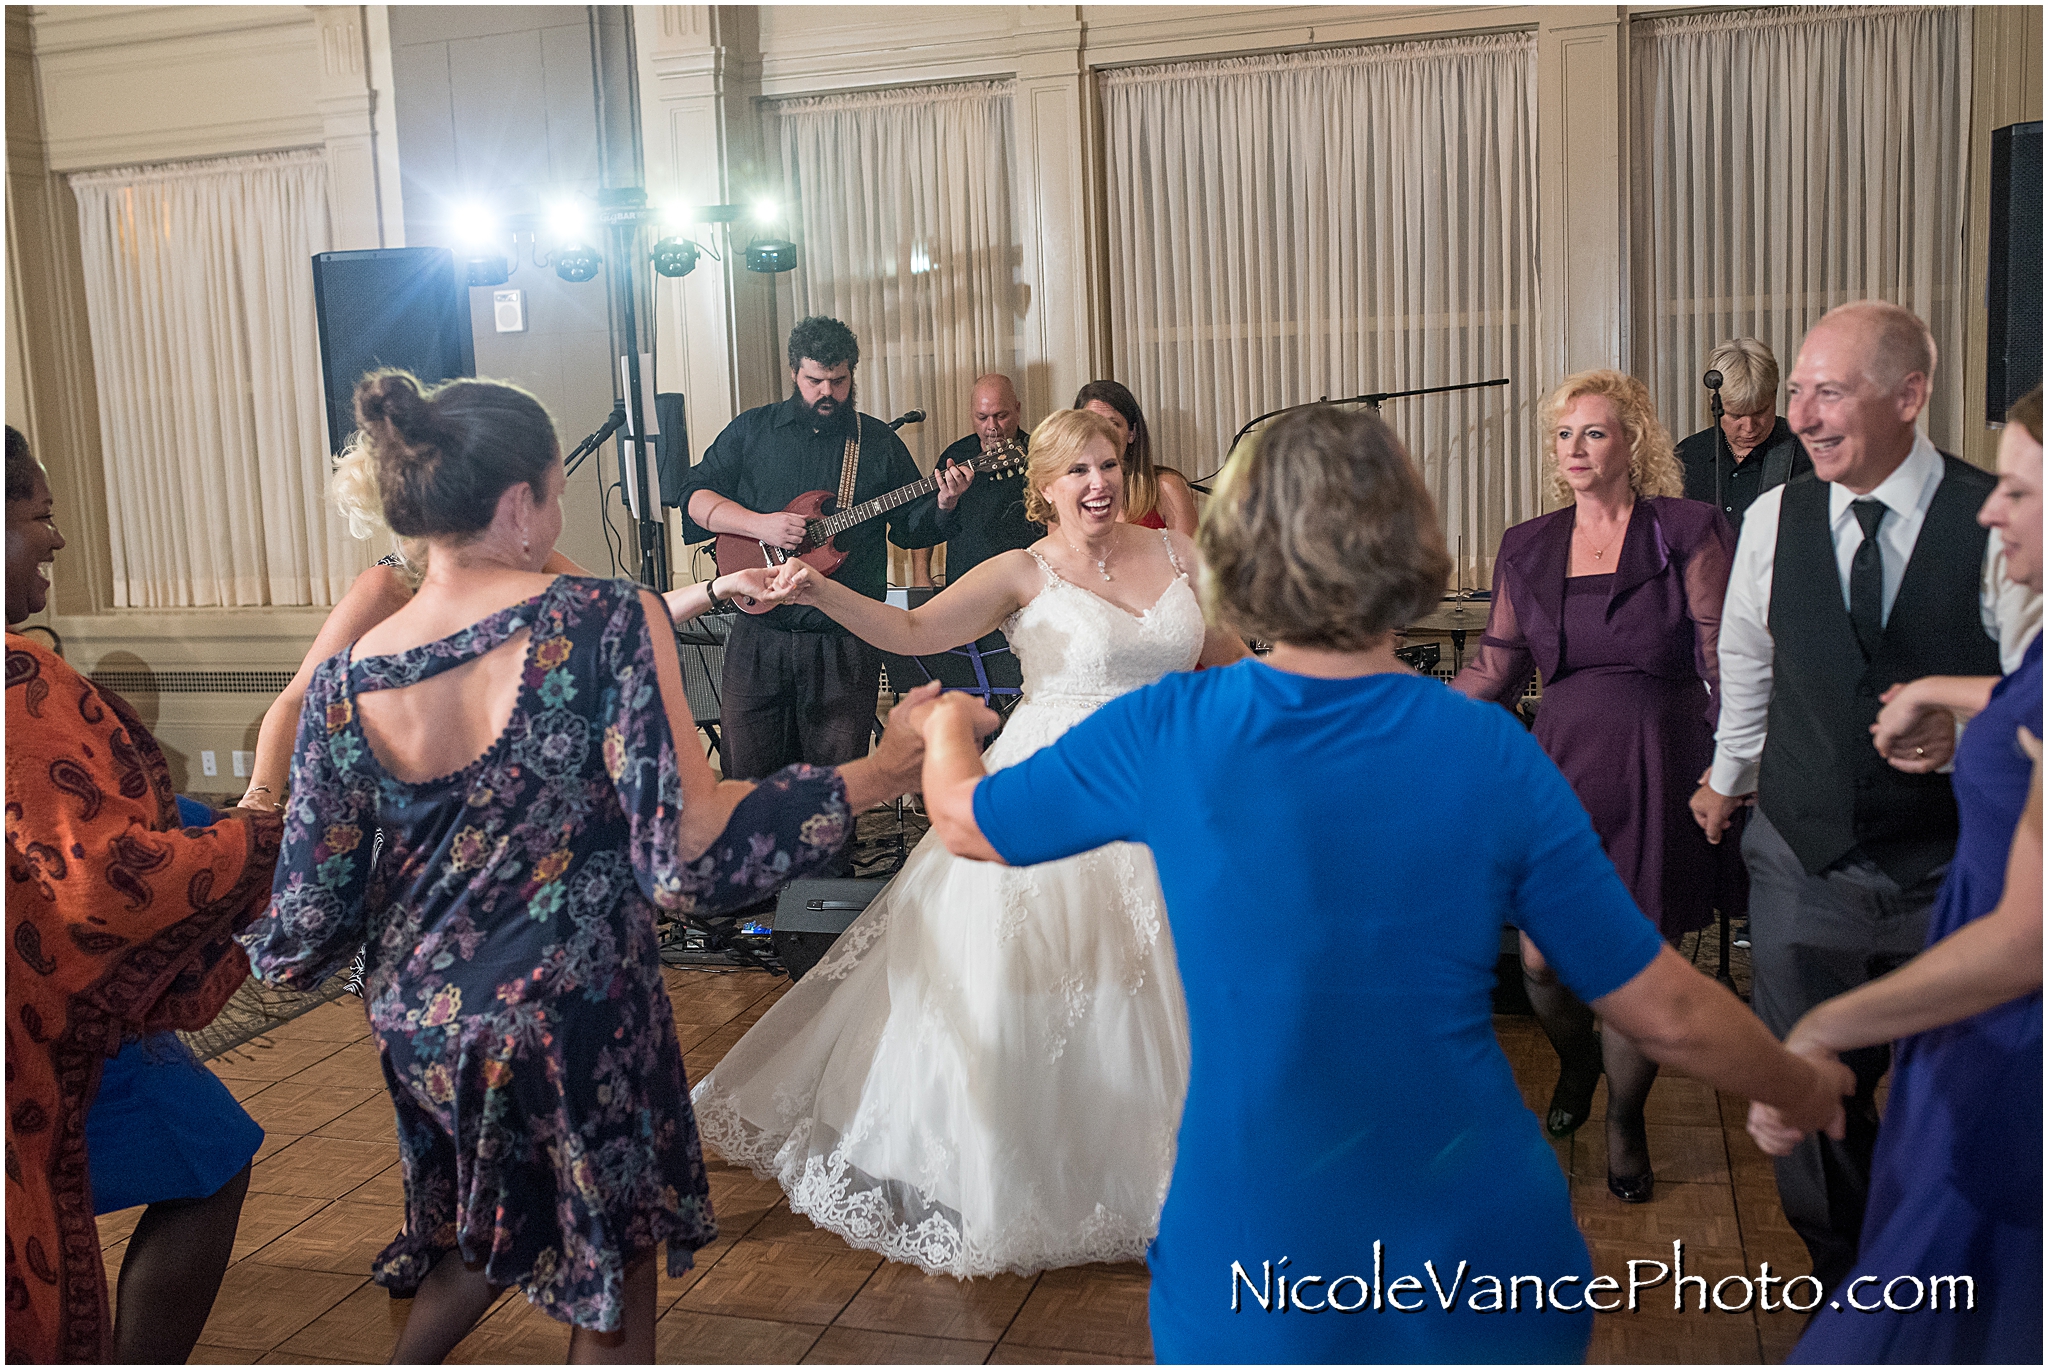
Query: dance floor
[[325, 1197]]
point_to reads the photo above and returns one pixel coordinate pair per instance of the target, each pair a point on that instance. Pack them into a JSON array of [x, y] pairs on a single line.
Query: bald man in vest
[[1874, 573]]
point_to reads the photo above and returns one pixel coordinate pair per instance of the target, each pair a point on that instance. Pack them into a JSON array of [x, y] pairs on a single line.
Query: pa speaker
[[2013, 290], [810, 915], [392, 306]]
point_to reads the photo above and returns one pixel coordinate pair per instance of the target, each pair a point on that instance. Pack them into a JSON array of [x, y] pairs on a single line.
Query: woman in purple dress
[[1949, 1269], [523, 741], [1616, 601]]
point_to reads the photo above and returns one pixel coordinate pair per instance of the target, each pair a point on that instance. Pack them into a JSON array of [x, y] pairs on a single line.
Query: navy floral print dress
[[513, 979]]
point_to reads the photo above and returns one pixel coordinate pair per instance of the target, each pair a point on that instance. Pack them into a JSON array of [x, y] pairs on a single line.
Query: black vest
[[1823, 786]]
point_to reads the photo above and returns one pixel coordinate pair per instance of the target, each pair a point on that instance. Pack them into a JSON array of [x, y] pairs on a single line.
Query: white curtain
[[903, 214], [199, 294], [1787, 161], [1332, 224]]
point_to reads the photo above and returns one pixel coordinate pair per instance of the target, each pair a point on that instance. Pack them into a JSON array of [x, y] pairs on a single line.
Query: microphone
[[1712, 381], [914, 416]]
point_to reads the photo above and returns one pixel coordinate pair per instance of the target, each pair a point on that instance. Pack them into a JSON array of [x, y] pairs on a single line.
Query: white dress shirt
[[1747, 652]]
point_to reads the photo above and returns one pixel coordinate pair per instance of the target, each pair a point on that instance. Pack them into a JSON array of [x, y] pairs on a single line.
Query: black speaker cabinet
[[2013, 289], [810, 915], [392, 306]]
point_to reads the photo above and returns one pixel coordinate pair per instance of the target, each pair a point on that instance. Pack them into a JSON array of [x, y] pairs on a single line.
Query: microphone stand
[[1720, 445], [1373, 399], [595, 440]]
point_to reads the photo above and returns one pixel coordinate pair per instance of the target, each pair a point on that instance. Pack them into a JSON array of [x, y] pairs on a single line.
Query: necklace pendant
[[1104, 569]]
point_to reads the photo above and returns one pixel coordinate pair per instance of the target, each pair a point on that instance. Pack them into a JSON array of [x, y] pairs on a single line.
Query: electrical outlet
[[208, 764], [244, 760]]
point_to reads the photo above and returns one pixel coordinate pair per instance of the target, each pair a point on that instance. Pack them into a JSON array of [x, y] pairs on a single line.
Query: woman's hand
[[1913, 732], [895, 767], [745, 587], [981, 719], [1777, 1131], [790, 583]]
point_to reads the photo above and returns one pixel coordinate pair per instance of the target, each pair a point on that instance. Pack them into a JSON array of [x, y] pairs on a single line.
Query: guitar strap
[[849, 467]]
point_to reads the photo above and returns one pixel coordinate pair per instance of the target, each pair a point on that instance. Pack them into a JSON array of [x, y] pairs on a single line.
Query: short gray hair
[[1749, 375], [1321, 534]]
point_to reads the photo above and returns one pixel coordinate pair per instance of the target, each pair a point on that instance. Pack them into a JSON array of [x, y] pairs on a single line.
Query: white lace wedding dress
[[985, 1073]]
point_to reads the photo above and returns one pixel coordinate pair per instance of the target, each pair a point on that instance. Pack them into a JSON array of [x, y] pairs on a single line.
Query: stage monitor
[[392, 306], [2012, 294]]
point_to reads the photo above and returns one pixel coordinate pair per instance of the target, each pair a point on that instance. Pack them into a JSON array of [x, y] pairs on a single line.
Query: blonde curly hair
[[1055, 443], [352, 490], [1653, 467]]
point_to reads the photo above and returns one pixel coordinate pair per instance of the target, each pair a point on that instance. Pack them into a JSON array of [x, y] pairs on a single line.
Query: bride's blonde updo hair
[[441, 457], [352, 490], [1055, 443]]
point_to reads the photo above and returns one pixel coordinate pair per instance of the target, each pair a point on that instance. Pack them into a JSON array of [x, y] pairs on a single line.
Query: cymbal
[[1452, 618]]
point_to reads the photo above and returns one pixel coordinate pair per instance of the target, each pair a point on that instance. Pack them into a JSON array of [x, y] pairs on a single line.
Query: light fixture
[[577, 262], [675, 256], [677, 215], [569, 222], [473, 225], [766, 211], [771, 256], [488, 269]]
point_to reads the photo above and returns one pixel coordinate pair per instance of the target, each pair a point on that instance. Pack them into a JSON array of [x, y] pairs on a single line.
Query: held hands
[[953, 482], [790, 583], [959, 704], [900, 755], [779, 529], [745, 587], [1777, 1131], [1714, 811], [1914, 734]]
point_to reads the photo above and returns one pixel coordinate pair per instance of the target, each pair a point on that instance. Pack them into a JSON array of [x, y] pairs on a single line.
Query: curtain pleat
[[1789, 160], [199, 297], [1329, 224], [903, 211]]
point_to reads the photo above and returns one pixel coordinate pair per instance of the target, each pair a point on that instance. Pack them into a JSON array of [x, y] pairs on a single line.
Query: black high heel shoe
[[1572, 1101], [1632, 1189]]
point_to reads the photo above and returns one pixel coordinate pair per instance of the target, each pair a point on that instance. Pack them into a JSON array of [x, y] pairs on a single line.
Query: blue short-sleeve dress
[[513, 976], [1338, 859]]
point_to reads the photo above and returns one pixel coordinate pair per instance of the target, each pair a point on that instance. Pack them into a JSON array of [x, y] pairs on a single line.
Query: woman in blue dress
[[523, 741], [1340, 842], [1955, 1188]]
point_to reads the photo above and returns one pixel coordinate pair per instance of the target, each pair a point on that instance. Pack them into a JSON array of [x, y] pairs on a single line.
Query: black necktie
[[1866, 579]]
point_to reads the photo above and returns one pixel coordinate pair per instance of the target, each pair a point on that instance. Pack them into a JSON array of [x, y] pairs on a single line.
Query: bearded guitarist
[[797, 686]]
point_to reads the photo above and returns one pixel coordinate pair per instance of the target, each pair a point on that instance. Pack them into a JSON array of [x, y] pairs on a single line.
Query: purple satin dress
[[1629, 669]]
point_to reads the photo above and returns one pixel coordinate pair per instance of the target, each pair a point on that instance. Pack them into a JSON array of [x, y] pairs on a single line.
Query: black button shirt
[[989, 519], [768, 456], [1741, 481]]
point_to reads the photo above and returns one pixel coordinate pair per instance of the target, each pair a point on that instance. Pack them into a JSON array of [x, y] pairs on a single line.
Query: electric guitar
[[821, 524]]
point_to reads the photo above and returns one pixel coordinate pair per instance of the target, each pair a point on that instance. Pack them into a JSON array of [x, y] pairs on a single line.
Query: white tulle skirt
[[985, 1074]]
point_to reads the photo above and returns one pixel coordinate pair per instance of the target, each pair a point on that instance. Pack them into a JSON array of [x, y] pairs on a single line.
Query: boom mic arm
[[595, 440]]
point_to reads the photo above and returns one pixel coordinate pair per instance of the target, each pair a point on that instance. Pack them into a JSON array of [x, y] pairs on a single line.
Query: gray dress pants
[[1813, 937]]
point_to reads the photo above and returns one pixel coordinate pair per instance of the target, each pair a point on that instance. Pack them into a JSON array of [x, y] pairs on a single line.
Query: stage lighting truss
[[569, 227]]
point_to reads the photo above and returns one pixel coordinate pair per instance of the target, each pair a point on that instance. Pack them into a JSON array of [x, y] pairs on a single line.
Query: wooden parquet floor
[[325, 1197]]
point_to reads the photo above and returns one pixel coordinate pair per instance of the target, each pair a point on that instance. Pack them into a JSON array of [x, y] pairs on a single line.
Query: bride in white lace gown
[[985, 1073]]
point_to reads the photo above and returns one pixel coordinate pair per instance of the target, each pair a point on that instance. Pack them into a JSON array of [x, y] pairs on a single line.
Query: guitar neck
[[825, 529]]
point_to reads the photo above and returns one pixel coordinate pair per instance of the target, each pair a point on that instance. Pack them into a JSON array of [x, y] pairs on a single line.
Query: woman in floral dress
[[524, 743]]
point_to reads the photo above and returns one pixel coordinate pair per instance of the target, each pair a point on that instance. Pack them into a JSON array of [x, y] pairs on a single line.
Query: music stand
[[986, 669]]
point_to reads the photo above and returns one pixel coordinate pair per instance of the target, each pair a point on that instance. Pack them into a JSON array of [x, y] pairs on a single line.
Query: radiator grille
[[194, 682]]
